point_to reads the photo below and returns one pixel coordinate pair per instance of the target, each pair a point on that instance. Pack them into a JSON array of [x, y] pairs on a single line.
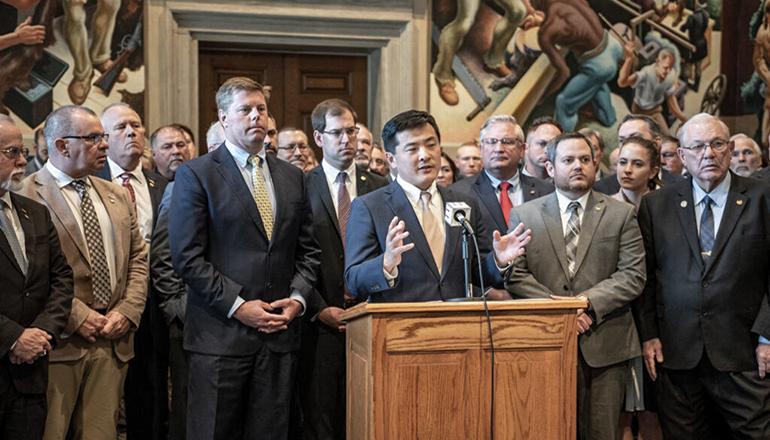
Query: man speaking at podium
[[398, 248]]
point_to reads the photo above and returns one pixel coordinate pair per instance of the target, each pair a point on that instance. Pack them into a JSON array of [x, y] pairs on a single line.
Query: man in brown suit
[[100, 238]]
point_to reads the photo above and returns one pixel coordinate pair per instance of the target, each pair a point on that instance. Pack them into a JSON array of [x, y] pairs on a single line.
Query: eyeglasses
[[14, 152], [91, 138], [717, 145], [503, 141], [292, 147], [350, 131]]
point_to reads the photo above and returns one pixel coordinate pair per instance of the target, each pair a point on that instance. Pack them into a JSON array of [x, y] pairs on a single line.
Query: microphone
[[457, 214]]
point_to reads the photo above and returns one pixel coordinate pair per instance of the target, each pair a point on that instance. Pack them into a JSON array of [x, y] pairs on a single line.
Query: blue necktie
[[706, 229]]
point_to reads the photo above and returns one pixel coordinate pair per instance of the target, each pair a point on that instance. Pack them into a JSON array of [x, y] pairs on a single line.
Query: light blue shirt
[[241, 158]]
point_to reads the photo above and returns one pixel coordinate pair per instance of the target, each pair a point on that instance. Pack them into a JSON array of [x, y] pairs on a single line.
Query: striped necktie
[[572, 236], [94, 241]]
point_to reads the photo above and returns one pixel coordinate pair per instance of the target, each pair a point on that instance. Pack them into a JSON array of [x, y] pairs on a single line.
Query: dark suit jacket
[[720, 306], [480, 187], [155, 182], [42, 299], [609, 270], [169, 287], [418, 278], [329, 289], [220, 249], [610, 185], [763, 174]]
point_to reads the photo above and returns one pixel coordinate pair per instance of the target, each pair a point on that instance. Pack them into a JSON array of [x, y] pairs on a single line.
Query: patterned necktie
[[430, 227], [706, 229], [13, 239], [343, 204], [259, 191], [572, 236], [100, 270], [126, 177], [505, 201]]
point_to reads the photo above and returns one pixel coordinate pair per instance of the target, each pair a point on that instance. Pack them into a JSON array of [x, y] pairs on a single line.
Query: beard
[[14, 182]]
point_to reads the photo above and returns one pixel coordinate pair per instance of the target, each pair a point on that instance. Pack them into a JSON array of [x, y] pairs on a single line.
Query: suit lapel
[[736, 202], [399, 203], [528, 188], [28, 226], [49, 191], [685, 209], [5, 247], [317, 179], [229, 170], [452, 235], [483, 187], [592, 216], [155, 195], [552, 220]]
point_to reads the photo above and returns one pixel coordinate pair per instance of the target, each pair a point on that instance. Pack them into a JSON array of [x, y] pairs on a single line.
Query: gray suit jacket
[[609, 271]]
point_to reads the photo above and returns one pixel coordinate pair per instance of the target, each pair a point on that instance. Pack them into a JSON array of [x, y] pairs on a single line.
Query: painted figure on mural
[[762, 66], [452, 36]]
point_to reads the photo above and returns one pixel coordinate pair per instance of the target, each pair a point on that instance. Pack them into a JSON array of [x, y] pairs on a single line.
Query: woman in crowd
[[447, 173]]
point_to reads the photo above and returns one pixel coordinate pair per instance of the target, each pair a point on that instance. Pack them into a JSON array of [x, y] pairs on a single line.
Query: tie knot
[[255, 160], [573, 206], [80, 186], [425, 198], [504, 186], [707, 201], [341, 177], [126, 177]]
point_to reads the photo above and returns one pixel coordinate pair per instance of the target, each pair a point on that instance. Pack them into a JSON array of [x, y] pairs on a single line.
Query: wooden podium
[[422, 370]]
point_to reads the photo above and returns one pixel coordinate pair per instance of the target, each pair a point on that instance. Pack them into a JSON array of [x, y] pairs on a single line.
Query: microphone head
[[454, 211]]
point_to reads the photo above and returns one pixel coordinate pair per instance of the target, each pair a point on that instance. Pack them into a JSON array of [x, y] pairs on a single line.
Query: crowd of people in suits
[[224, 278]]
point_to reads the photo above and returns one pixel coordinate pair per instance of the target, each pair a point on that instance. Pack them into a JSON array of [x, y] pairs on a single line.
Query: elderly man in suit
[[101, 239], [705, 320], [241, 238], [500, 186], [37, 295], [397, 247], [146, 386], [586, 244], [331, 188]]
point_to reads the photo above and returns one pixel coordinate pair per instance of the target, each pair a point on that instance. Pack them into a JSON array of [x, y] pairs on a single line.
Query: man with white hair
[[215, 136], [704, 318], [747, 157]]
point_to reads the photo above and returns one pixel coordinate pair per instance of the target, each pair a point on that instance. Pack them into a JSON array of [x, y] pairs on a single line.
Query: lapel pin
[[739, 202], [683, 204], [24, 212], [363, 177], [598, 208], [532, 191], [151, 183], [111, 196]]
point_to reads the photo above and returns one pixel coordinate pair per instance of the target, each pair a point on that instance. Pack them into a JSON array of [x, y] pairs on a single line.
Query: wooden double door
[[298, 81]]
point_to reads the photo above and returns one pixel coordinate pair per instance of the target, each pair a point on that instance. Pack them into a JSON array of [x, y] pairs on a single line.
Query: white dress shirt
[[141, 193], [564, 202]]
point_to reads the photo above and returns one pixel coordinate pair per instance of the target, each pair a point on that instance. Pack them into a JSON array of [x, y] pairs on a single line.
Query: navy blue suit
[[418, 278], [241, 379]]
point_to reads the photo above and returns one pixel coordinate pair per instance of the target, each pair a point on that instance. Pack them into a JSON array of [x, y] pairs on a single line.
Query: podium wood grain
[[422, 370]]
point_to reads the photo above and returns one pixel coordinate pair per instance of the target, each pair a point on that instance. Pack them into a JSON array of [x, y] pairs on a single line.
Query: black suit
[[146, 386], [763, 174], [610, 185], [41, 299], [240, 379], [322, 370], [708, 316]]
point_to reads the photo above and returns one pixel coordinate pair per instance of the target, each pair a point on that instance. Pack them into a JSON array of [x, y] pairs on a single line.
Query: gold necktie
[[431, 228], [259, 191]]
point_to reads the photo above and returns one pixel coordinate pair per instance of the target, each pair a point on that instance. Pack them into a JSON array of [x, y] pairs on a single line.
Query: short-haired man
[[397, 248], [146, 393], [379, 163], [189, 138], [331, 189], [271, 136], [669, 155], [293, 146], [241, 238], [215, 136], [41, 153], [597, 142], [540, 132], [169, 150], [365, 142], [747, 157], [102, 241], [704, 318], [645, 127], [37, 295], [500, 186], [586, 244], [468, 160]]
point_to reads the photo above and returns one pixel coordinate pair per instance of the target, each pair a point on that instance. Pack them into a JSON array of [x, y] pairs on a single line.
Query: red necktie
[[505, 201], [127, 184]]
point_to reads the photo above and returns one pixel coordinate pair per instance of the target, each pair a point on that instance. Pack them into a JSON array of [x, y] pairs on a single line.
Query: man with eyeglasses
[[41, 153], [168, 150], [331, 188], [500, 186], [37, 295], [102, 241], [704, 319], [293, 146], [669, 155], [747, 157]]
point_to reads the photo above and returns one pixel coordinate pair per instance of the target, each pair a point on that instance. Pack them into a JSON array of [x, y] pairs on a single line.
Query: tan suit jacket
[[609, 270], [131, 264]]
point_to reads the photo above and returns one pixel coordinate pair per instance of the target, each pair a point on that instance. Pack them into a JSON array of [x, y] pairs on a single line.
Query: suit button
[[705, 284], [565, 287], [704, 314], [269, 285], [26, 294]]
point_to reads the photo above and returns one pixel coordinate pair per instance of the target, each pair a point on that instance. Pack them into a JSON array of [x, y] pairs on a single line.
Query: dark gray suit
[[610, 272]]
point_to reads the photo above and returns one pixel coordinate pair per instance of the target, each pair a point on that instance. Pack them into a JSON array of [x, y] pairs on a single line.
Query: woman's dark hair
[[653, 155], [451, 165]]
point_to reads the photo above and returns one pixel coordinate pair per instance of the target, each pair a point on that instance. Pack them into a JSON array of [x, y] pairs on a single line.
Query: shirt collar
[[116, 171], [240, 155], [332, 172], [7, 199], [515, 181], [718, 195], [413, 193], [564, 201], [63, 179]]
